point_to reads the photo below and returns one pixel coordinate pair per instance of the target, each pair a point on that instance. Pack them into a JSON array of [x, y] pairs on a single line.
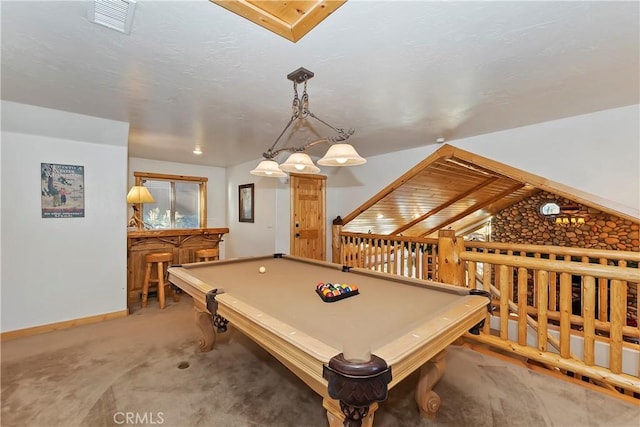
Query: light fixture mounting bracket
[[300, 75]]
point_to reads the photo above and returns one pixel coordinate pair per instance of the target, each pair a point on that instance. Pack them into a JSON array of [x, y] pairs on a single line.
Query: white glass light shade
[[299, 163], [341, 155], [139, 194], [269, 169]]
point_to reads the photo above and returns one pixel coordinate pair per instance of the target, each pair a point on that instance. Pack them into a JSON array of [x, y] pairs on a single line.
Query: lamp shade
[[139, 194], [341, 155], [268, 168], [299, 163]]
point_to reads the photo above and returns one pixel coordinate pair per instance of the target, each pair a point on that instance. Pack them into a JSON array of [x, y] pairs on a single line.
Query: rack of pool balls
[[330, 292]]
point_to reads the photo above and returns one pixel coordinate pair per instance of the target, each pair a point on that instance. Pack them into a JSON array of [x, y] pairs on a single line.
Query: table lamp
[[136, 196]]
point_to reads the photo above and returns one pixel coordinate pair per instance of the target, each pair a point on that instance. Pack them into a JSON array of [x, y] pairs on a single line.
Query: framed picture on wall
[[61, 190], [245, 203]]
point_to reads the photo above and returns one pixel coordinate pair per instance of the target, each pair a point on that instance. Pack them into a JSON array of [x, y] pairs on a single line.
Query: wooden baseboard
[[19, 333]]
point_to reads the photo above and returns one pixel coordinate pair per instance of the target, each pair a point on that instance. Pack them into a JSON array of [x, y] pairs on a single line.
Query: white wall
[[597, 153], [216, 187], [265, 235], [54, 270]]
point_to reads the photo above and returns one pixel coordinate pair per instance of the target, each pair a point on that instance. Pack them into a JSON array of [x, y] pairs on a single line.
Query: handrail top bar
[[595, 270], [411, 239], [558, 250]]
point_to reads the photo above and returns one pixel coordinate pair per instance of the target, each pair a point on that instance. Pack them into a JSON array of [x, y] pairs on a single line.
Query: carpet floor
[[145, 369]]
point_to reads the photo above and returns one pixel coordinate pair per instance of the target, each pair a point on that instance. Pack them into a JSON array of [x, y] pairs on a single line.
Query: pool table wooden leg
[[430, 373], [336, 417], [204, 321]]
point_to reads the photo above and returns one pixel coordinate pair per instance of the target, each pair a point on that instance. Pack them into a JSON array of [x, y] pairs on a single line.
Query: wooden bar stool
[[207, 254], [161, 260]]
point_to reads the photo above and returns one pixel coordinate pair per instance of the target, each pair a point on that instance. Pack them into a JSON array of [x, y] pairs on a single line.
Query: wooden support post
[[522, 306], [542, 287], [588, 313], [450, 266], [565, 315], [336, 229], [618, 308], [503, 283]]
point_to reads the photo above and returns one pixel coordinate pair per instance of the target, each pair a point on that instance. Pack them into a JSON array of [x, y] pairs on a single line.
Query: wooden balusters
[[503, 285], [522, 305], [588, 313], [542, 287], [565, 314], [618, 309]]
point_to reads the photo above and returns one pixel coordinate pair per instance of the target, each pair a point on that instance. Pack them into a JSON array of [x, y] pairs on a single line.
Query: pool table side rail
[[444, 287], [409, 351], [380, 275], [304, 355], [255, 259], [196, 288]]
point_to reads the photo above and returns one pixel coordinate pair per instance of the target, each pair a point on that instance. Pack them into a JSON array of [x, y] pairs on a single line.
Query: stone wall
[[523, 223]]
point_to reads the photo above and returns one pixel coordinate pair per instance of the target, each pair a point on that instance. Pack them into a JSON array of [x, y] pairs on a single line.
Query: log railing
[[404, 256], [572, 310]]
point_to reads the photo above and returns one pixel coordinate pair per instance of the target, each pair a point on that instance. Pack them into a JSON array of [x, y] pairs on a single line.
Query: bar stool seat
[[210, 254], [161, 260]]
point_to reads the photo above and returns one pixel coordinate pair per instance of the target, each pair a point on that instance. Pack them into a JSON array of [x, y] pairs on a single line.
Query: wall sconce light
[[339, 154], [569, 215], [569, 220], [136, 196]]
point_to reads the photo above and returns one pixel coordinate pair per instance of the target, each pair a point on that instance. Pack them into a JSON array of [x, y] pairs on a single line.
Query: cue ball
[[262, 269]]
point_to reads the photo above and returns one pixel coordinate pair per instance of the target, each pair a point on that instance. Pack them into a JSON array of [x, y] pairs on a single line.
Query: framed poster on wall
[[62, 190], [245, 203]]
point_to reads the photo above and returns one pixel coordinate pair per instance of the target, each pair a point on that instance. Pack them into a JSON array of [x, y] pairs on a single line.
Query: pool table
[[350, 351]]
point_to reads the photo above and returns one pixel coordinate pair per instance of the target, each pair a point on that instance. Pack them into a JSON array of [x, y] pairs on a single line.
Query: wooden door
[[308, 231]]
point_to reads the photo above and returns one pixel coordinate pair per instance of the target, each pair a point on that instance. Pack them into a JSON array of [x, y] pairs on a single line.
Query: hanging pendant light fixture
[[269, 169], [339, 153], [299, 163]]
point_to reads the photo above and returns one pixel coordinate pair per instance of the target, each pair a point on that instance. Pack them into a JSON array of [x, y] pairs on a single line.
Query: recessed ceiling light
[[440, 139], [197, 151]]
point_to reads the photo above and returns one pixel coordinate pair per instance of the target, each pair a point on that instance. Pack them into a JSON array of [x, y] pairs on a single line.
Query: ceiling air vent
[[115, 14]]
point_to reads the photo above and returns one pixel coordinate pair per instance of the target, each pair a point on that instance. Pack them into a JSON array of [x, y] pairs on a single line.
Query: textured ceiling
[[401, 73]]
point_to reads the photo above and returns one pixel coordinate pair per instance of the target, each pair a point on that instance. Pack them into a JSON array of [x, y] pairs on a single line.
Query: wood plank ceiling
[[289, 19], [453, 189], [441, 192]]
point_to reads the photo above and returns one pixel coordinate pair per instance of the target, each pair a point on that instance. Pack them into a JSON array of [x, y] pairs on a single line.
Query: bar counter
[[181, 242]]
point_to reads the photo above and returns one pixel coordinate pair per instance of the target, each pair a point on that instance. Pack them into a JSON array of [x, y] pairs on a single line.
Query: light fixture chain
[[304, 107], [296, 106]]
